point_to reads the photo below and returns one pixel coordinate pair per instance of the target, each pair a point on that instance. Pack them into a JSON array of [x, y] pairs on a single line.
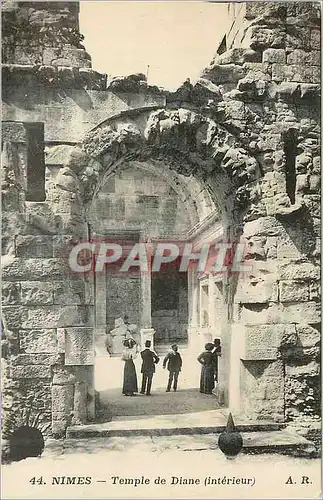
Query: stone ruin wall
[[250, 125], [276, 106]]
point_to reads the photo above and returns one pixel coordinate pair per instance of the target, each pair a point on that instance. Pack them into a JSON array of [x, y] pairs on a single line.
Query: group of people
[[149, 360], [173, 361]]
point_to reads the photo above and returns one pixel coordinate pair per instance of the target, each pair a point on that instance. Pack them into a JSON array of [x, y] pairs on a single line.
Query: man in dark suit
[[149, 359], [217, 351], [173, 360]]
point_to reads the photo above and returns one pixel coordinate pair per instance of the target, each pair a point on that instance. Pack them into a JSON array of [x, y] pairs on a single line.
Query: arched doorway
[[191, 150], [206, 175], [146, 202]]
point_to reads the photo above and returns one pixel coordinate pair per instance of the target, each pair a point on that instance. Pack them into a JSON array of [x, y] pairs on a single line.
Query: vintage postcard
[[161, 250]]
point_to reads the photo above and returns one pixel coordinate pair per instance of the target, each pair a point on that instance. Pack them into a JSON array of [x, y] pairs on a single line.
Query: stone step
[[213, 421], [254, 442], [277, 441]]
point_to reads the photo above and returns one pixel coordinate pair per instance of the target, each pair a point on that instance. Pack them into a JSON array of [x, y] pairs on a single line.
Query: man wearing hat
[[173, 360], [149, 359]]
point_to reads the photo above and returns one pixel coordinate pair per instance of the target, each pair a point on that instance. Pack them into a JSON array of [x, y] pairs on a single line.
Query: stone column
[[193, 288], [100, 300], [100, 312], [195, 302], [190, 285], [146, 332], [212, 305], [145, 291]]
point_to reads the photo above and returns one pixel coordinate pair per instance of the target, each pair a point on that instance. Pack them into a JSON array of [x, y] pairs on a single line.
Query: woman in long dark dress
[[130, 384], [208, 361]]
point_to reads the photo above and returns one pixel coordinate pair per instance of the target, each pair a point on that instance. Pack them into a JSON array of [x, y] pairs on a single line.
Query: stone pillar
[[196, 301], [100, 301], [146, 332], [100, 313], [194, 315], [218, 328], [62, 392], [212, 305], [190, 284], [145, 291], [235, 340]]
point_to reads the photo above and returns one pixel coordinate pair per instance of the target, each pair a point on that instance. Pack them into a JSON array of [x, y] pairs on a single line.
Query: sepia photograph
[[161, 263]]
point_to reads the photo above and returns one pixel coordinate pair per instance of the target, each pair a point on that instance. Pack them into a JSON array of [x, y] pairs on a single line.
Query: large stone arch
[[192, 194], [191, 145], [266, 111]]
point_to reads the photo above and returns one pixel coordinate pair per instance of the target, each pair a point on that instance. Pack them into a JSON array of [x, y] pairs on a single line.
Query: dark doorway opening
[[290, 150], [169, 304]]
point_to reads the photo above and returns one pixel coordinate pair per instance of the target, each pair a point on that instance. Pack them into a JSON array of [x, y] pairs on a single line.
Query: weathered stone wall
[[43, 33], [248, 131], [47, 312], [272, 77], [138, 199], [27, 359], [47, 75]]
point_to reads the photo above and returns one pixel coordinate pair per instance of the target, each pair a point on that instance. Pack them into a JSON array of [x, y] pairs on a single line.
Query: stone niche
[[169, 307]]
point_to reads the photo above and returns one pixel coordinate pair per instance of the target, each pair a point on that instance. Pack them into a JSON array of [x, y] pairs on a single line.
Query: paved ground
[[157, 467], [154, 466], [159, 403], [108, 382], [109, 373]]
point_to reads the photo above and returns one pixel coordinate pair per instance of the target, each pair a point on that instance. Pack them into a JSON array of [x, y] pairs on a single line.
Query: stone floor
[[188, 423], [113, 403], [108, 378], [108, 372]]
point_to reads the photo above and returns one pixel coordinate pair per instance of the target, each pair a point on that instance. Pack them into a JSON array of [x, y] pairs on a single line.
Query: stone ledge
[[279, 441], [132, 83], [53, 76], [224, 73], [73, 77], [168, 425]]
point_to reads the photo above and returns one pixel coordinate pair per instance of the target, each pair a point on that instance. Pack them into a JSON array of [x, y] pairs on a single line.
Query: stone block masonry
[[249, 129], [286, 38]]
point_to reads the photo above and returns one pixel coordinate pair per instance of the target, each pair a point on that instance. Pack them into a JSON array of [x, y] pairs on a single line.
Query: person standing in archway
[[208, 361], [130, 384], [173, 360], [149, 360], [217, 353]]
